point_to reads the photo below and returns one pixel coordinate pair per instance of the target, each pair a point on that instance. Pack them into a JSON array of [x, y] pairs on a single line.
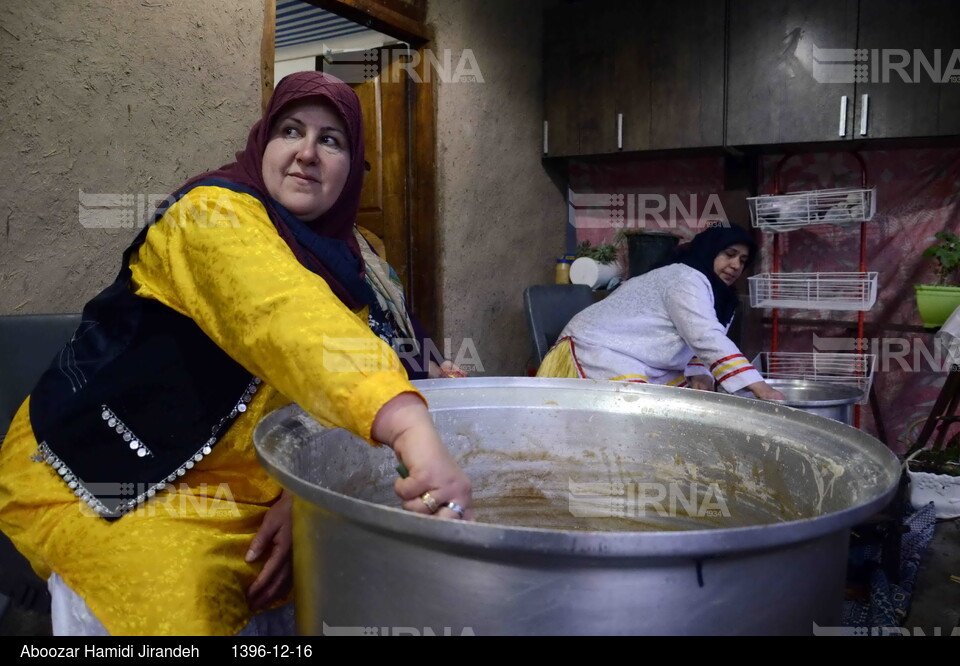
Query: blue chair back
[[549, 307], [28, 344]]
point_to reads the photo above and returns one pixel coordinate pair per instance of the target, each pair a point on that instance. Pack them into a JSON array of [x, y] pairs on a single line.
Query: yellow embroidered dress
[[175, 565]]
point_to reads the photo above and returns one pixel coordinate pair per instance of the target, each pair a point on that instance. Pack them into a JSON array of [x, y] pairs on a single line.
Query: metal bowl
[[602, 508], [826, 399]]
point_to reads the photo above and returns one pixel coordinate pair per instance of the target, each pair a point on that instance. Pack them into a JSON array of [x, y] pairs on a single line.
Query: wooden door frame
[[405, 22]]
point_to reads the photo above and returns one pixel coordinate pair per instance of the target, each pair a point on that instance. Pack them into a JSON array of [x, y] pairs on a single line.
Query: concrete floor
[[934, 610]]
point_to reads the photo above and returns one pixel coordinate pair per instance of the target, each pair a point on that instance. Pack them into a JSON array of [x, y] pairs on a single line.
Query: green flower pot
[[936, 303]]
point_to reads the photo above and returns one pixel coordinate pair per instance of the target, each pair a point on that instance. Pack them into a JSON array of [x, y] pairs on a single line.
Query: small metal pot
[[602, 508], [826, 399]]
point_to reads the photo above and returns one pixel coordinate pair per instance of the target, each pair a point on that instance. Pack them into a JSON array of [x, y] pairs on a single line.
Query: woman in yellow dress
[[128, 478]]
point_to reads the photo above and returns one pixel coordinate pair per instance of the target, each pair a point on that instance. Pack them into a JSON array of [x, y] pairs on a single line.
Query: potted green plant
[[937, 302], [596, 265], [605, 253]]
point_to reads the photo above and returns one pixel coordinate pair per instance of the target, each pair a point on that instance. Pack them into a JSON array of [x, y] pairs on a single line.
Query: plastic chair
[[28, 344], [549, 307]]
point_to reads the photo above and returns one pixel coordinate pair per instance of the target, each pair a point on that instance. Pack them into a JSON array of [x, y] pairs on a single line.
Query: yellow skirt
[[560, 362], [175, 565]]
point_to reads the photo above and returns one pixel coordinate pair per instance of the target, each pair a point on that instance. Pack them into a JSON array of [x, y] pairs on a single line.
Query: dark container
[[645, 250]]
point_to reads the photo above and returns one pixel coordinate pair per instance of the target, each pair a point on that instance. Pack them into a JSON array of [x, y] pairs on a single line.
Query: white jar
[[592, 273]]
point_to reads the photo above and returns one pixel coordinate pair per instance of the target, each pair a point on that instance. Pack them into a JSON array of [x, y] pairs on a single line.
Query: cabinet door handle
[[546, 137], [619, 131], [843, 116], [864, 108]]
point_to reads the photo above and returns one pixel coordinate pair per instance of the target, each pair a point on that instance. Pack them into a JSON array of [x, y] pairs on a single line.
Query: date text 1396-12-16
[[255, 650]]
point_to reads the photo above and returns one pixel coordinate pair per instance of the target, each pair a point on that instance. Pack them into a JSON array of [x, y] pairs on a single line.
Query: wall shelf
[[814, 291], [788, 212], [841, 368]]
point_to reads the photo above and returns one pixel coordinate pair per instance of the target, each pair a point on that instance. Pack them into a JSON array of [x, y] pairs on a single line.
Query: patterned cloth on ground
[[889, 602]]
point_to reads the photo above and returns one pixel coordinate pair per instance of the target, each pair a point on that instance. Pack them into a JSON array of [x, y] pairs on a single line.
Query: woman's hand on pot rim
[[701, 382], [764, 391], [405, 425]]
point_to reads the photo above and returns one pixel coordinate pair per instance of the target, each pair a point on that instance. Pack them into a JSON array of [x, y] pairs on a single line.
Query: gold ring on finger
[[429, 502]]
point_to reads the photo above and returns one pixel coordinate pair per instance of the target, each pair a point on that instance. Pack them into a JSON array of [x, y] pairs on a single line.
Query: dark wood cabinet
[[828, 70], [579, 78], [779, 86], [683, 61], [909, 48], [622, 75], [561, 81], [598, 50]]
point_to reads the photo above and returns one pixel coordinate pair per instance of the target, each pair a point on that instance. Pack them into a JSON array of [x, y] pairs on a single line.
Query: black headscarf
[[702, 251]]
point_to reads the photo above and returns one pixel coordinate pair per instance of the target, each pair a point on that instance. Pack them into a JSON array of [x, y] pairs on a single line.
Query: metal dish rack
[[855, 291], [840, 368], [814, 291], [788, 212]]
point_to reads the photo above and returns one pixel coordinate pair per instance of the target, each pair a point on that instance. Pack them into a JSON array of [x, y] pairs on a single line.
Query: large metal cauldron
[[603, 508]]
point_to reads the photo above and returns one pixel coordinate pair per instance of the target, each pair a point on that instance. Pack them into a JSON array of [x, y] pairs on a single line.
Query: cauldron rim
[[587, 544]]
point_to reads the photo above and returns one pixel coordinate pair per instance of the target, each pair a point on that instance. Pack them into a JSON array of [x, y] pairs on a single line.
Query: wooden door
[[893, 31], [383, 200], [779, 87]]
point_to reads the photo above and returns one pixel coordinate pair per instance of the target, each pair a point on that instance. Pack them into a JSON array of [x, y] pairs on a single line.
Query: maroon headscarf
[[339, 221]]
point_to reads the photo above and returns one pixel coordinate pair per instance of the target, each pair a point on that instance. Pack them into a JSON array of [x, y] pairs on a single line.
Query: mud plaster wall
[[113, 98], [501, 219]]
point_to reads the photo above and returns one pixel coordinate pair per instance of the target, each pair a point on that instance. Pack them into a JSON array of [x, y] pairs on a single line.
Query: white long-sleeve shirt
[[658, 328]]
